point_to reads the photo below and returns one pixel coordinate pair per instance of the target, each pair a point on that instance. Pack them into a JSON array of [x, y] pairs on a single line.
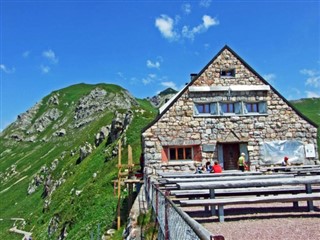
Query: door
[[230, 156]]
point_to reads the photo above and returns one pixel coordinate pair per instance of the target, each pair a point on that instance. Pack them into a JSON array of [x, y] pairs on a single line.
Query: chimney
[[193, 76]]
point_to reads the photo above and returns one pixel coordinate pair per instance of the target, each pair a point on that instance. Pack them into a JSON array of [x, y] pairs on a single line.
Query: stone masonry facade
[[179, 125]]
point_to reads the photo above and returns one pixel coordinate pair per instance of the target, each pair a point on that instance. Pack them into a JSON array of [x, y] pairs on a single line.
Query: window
[[180, 153], [255, 108], [228, 73], [227, 107], [230, 108], [252, 107], [203, 108]]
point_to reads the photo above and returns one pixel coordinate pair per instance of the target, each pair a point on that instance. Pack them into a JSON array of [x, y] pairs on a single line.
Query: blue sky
[[147, 46]]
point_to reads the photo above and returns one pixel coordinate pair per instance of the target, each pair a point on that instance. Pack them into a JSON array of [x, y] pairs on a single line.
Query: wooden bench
[[241, 191], [227, 178], [221, 202], [211, 175]]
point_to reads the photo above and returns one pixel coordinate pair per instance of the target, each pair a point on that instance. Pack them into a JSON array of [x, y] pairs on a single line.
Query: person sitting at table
[[285, 161], [208, 167], [216, 167], [242, 162], [199, 168]]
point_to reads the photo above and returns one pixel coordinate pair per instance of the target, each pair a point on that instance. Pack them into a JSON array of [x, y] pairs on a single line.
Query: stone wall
[[179, 124]]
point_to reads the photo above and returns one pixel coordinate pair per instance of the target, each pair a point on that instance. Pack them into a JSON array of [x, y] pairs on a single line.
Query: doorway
[[230, 156], [229, 153]]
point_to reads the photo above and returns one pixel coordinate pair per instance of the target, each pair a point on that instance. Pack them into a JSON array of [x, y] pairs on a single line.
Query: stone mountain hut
[[226, 109]]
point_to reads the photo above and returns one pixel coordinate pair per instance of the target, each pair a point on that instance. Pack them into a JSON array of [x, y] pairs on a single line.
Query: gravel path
[[263, 221]]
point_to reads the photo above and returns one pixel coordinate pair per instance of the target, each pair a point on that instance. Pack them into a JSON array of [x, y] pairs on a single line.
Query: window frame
[[176, 152], [239, 108], [228, 110], [252, 106], [228, 73], [205, 108]]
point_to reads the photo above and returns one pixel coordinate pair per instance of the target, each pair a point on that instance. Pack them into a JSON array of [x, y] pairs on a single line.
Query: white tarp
[[275, 151]]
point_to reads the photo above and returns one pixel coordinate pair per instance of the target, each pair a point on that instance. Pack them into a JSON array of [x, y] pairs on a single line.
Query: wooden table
[[203, 175], [289, 168], [234, 178], [308, 181]]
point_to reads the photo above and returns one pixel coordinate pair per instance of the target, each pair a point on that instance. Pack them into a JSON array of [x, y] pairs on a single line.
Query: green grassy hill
[[310, 107], [47, 154]]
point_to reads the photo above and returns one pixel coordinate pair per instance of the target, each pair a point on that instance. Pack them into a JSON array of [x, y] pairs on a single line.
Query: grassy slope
[[311, 109], [96, 204]]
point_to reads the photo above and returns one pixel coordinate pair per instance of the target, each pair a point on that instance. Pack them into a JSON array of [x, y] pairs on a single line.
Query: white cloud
[[151, 64], [169, 85], [5, 69], [312, 94], [207, 22], [45, 69], [149, 79], [165, 24], [269, 77], [121, 75], [205, 3], [186, 8], [26, 54], [313, 77], [51, 56]]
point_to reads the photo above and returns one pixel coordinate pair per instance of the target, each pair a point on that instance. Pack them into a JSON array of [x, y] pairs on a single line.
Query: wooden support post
[[221, 213], [119, 186], [310, 202], [166, 217], [157, 199], [213, 207], [130, 174]]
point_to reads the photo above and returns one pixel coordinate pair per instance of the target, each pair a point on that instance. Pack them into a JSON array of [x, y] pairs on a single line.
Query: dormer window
[[228, 73]]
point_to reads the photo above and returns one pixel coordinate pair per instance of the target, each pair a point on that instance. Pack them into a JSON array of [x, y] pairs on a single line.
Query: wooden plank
[[242, 191], [290, 167], [251, 183], [249, 200], [205, 179], [200, 175]]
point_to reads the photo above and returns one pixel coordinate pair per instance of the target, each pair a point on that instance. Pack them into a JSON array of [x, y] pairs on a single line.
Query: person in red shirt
[[216, 167]]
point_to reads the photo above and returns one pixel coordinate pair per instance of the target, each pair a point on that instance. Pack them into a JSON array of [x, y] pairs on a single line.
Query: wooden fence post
[[119, 186], [166, 217]]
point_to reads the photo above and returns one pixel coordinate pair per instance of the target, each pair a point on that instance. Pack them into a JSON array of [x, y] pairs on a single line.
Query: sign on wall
[[310, 151], [208, 148]]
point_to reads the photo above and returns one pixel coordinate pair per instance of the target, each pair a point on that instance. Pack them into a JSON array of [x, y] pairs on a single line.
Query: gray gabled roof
[[226, 47]]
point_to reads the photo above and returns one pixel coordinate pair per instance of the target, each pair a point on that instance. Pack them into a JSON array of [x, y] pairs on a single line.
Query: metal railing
[[173, 222]]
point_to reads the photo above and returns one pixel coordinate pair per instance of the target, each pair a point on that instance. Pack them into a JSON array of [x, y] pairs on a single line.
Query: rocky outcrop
[[24, 120], [85, 151], [60, 133], [120, 123], [54, 99], [162, 97], [98, 101], [45, 120], [102, 135]]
